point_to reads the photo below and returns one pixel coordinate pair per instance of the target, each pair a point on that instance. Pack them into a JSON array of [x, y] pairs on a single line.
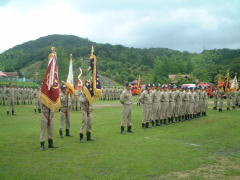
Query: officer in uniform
[[164, 104], [171, 107], [86, 109], [191, 103], [156, 96], [146, 99], [126, 101], [65, 110], [178, 104]]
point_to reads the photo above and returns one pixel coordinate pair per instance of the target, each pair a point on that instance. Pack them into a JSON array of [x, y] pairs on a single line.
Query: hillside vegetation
[[118, 62]]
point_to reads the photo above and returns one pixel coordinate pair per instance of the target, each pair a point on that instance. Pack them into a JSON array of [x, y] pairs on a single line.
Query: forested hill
[[118, 62]]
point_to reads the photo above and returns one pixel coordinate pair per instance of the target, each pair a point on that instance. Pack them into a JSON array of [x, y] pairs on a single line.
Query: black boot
[[81, 138], [168, 121], [61, 133], [50, 144], [89, 138], [152, 123], [147, 125], [68, 132], [164, 121], [13, 113], [122, 129], [42, 147], [160, 122], [176, 119], [39, 110], [130, 129], [7, 112], [143, 125]]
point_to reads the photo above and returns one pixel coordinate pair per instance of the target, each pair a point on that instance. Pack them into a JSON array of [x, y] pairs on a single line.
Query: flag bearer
[[65, 111], [86, 109]]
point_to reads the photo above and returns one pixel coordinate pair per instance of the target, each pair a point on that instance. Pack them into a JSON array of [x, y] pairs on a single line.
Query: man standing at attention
[[146, 99], [126, 101]]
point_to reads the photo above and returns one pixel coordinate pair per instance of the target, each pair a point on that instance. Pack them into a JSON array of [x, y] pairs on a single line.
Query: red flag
[[50, 92]]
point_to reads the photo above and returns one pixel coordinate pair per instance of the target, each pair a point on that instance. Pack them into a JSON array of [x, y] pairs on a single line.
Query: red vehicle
[[136, 88], [210, 88]]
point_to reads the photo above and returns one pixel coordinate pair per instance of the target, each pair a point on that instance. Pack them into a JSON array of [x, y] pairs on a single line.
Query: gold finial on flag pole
[[53, 49]]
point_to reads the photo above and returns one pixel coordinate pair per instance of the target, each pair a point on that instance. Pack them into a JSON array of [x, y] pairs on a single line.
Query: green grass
[[155, 153]]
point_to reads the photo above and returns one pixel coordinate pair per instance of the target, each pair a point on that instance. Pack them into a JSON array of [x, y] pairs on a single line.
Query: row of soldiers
[[169, 104], [12, 96], [163, 105], [111, 93], [232, 99], [21, 95]]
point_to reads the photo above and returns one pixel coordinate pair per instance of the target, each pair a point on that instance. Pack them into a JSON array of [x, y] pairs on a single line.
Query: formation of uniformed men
[[11, 96], [232, 99], [169, 104], [111, 93]]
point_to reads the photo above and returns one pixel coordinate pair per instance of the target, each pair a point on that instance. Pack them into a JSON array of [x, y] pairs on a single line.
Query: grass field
[[204, 148]]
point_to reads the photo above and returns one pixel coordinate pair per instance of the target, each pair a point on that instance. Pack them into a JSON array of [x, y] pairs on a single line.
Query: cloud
[[177, 24]]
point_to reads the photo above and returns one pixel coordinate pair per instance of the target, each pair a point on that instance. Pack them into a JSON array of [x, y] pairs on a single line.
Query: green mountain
[[117, 62]]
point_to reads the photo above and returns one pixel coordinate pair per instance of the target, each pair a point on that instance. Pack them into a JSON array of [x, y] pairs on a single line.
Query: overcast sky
[[189, 25]]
